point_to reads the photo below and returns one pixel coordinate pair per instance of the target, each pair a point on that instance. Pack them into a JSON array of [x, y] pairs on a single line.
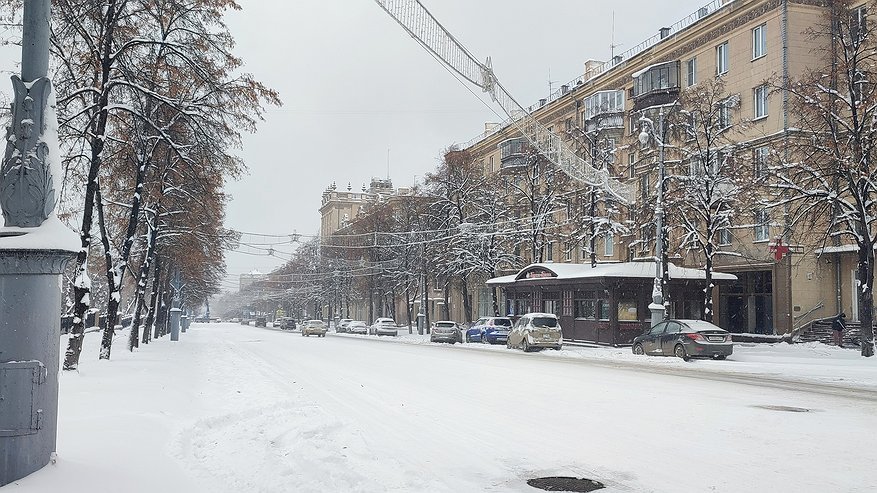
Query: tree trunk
[[467, 303], [446, 309], [153, 302], [495, 300], [113, 280], [134, 339], [82, 286], [708, 289], [866, 297]]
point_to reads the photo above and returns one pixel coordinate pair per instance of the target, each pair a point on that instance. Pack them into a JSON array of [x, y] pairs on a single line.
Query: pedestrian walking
[[839, 325]]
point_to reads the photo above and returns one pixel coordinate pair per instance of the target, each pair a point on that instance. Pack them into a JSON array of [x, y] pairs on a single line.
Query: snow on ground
[[243, 409]]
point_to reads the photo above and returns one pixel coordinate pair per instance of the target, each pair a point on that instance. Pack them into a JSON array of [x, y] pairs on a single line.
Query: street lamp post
[[648, 133], [35, 247]]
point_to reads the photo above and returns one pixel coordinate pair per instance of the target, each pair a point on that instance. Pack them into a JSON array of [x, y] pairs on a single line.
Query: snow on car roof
[[699, 324]]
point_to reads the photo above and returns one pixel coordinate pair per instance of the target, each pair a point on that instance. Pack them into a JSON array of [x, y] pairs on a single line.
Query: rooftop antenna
[[612, 44], [550, 83]]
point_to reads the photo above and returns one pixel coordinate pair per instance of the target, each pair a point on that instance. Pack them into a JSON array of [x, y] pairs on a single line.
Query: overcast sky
[[354, 85]]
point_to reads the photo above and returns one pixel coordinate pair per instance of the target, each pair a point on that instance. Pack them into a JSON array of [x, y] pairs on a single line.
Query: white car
[[342, 325], [384, 327], [357, 327]]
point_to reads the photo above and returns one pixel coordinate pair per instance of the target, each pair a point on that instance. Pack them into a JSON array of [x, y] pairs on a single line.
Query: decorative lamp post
[[35, 248], [650, 133]]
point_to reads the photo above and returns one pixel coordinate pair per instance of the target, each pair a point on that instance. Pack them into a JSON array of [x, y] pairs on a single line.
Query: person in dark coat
[[839, 325]]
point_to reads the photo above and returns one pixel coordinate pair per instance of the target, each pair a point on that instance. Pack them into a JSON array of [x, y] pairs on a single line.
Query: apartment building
[[752, 47]]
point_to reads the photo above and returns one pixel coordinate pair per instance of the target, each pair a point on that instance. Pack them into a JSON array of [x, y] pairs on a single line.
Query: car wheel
[[484, 339], [508, 345], [719, 356], [468, 339], [679, 352], [558, 348], [525, 346], [638, 349]]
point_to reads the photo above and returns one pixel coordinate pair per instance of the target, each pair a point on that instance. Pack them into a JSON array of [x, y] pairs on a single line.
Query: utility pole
[[35, 247]]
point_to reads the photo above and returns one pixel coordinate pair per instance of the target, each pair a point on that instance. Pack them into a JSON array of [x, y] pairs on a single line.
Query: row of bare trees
[[152, 105]]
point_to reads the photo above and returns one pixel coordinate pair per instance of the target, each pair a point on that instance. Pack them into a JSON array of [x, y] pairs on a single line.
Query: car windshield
[[445, 325], [505, 322], [544, 322], [357, 324]]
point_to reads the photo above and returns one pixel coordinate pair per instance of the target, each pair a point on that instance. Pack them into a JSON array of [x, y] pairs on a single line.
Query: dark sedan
[[490, 330], [685, 339]]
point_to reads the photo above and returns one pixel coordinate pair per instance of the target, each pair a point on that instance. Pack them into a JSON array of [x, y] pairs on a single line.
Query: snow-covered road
[[242, 409]]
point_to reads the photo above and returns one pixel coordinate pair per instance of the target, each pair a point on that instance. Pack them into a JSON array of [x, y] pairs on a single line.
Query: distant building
[[247, 280]]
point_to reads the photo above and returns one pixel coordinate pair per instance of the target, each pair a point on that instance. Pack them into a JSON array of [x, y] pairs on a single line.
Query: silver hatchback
[[446, 331], [535, 331]]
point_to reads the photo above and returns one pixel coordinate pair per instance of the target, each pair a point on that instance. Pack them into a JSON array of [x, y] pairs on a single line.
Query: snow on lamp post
[[647, 134], [35, 248]]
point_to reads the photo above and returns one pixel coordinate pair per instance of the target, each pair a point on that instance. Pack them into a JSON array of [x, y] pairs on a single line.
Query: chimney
[[664, 32], [542, 102], [616, 59], [564, 89]]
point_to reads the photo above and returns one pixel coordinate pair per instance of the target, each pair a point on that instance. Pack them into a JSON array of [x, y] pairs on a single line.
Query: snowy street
[[231, 408]]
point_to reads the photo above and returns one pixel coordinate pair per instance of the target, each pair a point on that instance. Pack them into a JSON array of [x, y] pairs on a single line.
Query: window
[[724, 236], [603, 309], [586, 307], [604, 102], [691, 127], [644, 187], [724, 115], [759, 41], [647, 235], [627, 311], [631, 164], [609, 244], [691, 72], [549, 252], [656, 78], [491, 164], [586, 249], [722, 58], [567, 251], [858, 23], [762, 227], [760, 95], [610, 150], [760, 159]]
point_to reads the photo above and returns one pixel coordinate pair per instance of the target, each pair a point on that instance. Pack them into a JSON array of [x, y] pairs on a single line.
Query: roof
[[636, 270]]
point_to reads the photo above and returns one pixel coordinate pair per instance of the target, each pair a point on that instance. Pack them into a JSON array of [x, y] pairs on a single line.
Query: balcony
[[513, 152], [656, 85], [604, 109], [604, 121]]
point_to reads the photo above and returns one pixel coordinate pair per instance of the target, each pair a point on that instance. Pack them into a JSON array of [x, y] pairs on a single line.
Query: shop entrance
[[747, 303]]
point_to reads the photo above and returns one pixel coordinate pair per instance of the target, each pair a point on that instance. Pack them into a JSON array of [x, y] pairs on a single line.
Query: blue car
[[490, 330]]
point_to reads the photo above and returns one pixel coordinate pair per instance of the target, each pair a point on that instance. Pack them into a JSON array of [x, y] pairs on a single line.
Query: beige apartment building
[[752, 45]]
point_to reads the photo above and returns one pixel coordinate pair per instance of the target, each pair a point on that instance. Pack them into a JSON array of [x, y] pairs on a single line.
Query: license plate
[[717, 339]]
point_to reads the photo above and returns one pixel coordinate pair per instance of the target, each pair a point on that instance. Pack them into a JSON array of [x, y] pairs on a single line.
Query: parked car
[[384, 327], [685, 339], [314, 327], [446, 331], [357, 327], [536, 331], [261, 322], [235, 320], [342, 325], [285, 323], [489, 330]]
